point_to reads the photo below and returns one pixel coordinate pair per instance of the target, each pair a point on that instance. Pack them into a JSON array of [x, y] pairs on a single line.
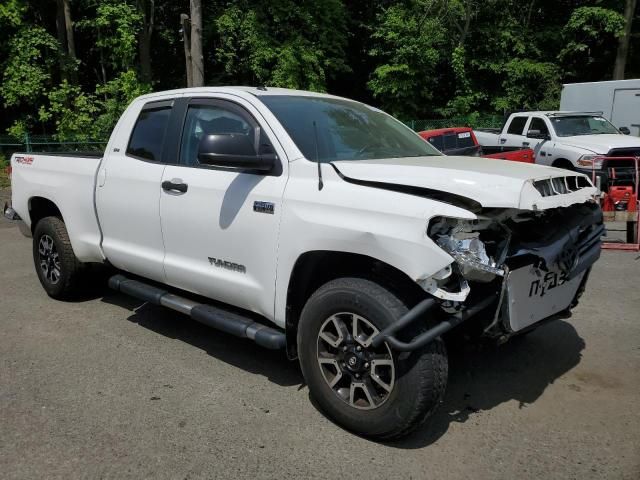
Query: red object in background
[[462, 141], [621, 198]]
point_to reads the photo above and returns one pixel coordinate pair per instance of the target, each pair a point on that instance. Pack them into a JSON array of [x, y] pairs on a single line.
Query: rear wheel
[[56, 265], [374, 392]]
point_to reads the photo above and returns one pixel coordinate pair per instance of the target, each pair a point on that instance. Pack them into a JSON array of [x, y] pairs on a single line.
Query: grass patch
[[4, 177]]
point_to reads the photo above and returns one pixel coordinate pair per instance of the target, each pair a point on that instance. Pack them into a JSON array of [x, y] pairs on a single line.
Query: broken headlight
[[459, 239]]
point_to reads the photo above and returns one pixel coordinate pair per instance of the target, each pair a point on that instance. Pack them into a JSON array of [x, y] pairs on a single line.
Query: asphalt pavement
[[108, 387]]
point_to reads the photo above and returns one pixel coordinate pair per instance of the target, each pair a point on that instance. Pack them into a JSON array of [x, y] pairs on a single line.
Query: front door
[[220, 226]]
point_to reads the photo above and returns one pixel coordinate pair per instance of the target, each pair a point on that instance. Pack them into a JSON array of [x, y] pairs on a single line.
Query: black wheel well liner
[[562, 161], [41, 207], [315, 268]]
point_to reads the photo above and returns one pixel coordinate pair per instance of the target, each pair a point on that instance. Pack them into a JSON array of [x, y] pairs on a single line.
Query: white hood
[[601, 144], [491, 183]]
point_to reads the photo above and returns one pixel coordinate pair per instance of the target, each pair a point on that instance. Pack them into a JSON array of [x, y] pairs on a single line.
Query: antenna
[[315, 138]]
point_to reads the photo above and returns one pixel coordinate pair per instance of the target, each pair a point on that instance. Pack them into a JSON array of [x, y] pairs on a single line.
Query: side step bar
[[209, 315]]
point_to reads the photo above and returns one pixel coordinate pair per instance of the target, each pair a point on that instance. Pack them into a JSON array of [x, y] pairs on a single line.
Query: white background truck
[[570, 140], [318, 225], [618, 100]]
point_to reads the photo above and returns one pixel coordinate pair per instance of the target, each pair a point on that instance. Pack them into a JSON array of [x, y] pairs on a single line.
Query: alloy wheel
[[360, 375]]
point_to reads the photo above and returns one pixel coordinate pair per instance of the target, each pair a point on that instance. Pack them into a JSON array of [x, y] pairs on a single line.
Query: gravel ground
[[109, 388]]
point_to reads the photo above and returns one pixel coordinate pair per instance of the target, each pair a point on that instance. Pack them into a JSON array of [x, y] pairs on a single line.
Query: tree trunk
[[103, 69], [71, 44], [623, 42], [197, 60], [186, 37], [147, 9], [62, 38]]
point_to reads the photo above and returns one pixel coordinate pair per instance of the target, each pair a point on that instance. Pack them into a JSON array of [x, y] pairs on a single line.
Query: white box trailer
[[618, 100]]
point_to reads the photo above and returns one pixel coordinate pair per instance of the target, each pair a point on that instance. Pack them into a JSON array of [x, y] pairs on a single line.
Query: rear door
[[221, 231], [513, 134], [626, 110], [128, 191]]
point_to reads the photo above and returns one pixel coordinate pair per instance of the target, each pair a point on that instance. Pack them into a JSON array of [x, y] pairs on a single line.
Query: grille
[[560, 185], [624, 152]]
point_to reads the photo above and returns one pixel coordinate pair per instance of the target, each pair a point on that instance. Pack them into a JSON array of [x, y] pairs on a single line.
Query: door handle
[[525, 144], [169, 186], [503, 140]]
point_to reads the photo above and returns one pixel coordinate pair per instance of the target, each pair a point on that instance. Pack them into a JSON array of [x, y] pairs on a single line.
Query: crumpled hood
[[600, 144], [491, 183]]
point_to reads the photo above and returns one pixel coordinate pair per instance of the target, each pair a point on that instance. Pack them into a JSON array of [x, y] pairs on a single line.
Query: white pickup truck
[[318, 225], [570, 140]]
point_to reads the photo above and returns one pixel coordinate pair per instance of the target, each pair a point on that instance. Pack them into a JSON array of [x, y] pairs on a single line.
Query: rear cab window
[[149, 132], [437, 141], [516, 127]]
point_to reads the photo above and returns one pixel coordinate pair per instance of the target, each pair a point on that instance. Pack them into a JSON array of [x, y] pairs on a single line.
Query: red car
[[462, 141]]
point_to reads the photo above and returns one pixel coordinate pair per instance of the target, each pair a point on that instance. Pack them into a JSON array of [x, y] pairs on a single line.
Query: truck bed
[[67, 180]]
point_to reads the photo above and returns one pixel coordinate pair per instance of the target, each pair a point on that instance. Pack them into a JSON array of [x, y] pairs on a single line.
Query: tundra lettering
[[228, 265]]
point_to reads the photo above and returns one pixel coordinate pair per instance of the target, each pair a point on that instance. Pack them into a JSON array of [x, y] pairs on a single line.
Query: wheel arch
[[563, 163], [41, 207], [315, 268]]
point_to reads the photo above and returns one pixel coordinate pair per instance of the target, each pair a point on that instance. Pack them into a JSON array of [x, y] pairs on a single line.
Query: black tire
[[64, 285], [420, 378]]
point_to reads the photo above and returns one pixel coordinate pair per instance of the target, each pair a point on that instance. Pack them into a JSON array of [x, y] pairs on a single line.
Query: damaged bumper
[[511, 271]]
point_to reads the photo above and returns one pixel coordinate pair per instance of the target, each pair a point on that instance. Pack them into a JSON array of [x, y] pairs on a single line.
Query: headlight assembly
[[458, 239], [590, 161]]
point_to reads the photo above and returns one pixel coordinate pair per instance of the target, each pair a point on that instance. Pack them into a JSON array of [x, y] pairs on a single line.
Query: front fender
[[385, 225]]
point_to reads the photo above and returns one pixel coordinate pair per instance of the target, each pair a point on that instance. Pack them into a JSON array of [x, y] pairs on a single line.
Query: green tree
[[281, 43], [28, 73], [591, 37], [410, 46]]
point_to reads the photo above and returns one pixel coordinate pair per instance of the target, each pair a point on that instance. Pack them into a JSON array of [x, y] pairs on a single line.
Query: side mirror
[[233, 150], [537, 134], [625, 130]]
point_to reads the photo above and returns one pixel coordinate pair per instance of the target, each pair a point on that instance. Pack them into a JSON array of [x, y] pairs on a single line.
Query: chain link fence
[[46, 143], [474, 121]]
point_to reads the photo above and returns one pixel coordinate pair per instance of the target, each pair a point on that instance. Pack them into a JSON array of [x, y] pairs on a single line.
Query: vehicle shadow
[[481, 377], [240, 353]]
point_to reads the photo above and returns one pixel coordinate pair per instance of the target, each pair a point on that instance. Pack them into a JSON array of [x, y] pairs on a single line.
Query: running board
[[214, 317]]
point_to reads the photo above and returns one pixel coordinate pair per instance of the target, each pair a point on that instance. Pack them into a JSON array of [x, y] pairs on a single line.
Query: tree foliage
[[414, 58]]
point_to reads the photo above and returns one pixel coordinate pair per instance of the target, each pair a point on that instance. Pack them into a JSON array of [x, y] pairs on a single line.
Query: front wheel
[[375, 392]]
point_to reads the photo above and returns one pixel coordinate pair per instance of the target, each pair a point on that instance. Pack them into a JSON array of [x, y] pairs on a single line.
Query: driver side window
[[540, 125], [202, 120]]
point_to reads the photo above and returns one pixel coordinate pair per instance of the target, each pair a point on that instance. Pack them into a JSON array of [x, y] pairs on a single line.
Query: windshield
[[582, 125], [344, 130]]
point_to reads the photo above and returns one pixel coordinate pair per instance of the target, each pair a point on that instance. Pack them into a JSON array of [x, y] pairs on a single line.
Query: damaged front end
[[534, 263], [511, 269]]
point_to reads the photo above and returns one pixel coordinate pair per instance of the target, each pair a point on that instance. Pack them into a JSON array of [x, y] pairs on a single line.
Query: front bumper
[[544, 279], [608, 176]]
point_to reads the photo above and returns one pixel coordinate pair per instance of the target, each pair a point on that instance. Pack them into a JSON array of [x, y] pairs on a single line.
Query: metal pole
[[27, 142]]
